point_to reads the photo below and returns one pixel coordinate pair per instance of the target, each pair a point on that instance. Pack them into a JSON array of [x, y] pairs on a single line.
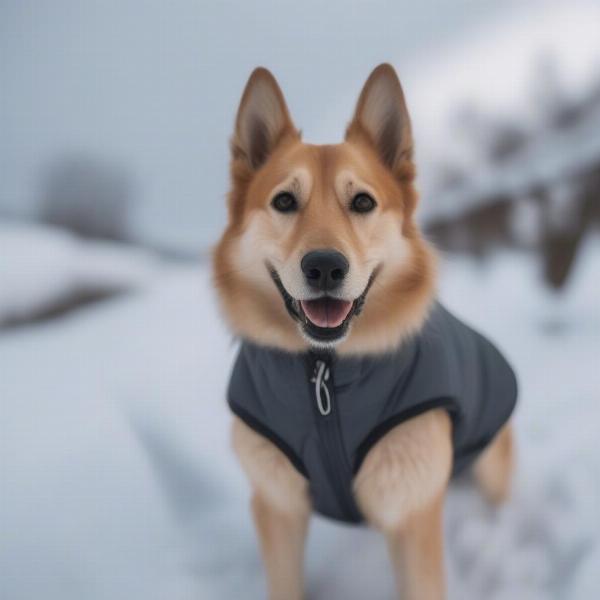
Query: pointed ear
[[262, 119], [382, 117]]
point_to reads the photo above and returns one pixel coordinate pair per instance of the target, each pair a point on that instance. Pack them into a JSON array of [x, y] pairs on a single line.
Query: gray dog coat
[[325, 412]]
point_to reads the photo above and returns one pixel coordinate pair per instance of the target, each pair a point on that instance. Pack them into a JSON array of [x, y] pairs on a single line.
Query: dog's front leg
[[400, 488], [281, 508], [417, 553], [281, 536]]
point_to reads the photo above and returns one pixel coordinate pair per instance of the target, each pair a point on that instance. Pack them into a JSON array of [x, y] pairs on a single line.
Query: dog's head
[[321, 248]]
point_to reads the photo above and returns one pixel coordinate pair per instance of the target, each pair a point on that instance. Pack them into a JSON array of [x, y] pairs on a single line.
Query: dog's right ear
[[262, 120]]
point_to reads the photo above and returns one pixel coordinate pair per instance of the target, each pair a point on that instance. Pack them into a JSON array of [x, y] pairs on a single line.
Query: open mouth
[[326, 312], [325, 319]]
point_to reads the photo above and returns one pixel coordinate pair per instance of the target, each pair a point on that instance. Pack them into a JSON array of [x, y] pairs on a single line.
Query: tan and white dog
[[288, 200]]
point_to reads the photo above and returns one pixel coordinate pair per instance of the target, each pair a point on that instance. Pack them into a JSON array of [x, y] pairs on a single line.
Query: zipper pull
[[320, 377]]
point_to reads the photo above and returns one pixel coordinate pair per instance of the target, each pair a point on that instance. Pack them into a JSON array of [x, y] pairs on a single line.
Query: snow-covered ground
[[117, 481], [44, 267]]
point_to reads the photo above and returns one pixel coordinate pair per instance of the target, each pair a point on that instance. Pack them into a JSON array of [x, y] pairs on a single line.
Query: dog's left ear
[[382, 117]]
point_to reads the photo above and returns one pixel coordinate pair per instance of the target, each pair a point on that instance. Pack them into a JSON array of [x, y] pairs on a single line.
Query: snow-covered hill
[[118, 482], [44, 270]]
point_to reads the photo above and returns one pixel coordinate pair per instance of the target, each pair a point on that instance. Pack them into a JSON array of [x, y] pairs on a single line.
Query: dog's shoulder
[[269, 470], [406, 469]]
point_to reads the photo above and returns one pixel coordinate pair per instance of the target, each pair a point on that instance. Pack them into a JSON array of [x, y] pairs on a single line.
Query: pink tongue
[[326, 312]]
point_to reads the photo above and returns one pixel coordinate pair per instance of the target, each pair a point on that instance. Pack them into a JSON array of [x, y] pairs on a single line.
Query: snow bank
[[43, 267]]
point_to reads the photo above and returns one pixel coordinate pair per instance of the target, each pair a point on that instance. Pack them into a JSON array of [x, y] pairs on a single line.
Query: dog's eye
[[284, 202], [362, 203]]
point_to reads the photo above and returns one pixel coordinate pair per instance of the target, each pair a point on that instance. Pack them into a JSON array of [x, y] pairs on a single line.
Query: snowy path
[[118, 483]]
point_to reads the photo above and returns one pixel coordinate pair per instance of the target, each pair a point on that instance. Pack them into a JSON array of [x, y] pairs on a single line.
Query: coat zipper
[[330, 434]]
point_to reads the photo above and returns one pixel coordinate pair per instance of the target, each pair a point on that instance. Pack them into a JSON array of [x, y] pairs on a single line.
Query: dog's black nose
[[324, 269]]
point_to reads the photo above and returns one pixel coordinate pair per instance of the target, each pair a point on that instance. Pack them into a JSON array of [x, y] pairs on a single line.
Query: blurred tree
[[557, 106], [560, 188], [561, 241], [495, 137]]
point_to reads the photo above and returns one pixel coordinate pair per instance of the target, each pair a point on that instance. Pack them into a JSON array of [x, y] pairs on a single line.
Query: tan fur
[[406, 470], [280, 508], [281, 538], [417, 553], [400, 489], [402, 291], [493, 469], [269, 470], [401, 484], [322, 178]]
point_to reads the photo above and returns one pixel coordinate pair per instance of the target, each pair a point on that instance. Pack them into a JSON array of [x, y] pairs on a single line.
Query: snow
[[42, 266], [539, 545], [118, 481], [499, 70]]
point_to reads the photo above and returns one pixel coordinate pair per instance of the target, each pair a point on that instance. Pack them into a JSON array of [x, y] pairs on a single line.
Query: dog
[[355, 393]]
